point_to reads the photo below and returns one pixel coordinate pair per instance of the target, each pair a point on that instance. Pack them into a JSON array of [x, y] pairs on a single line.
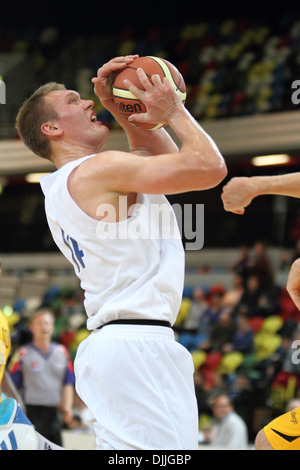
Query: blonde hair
[[34, 112]]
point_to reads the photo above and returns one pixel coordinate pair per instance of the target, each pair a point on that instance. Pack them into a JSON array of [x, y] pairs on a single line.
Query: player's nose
[[88, 104]]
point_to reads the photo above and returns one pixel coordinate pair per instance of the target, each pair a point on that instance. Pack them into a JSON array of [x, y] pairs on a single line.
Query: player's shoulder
[[103, 167], [103, 160]]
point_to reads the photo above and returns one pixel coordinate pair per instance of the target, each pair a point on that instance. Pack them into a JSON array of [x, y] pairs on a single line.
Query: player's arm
[[239, 192], [141, 141], [197, 166]]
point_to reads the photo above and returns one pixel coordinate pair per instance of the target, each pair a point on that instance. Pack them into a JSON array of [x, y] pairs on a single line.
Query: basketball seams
[[123, 93], [165, 69], [169, 74], [135, 68]]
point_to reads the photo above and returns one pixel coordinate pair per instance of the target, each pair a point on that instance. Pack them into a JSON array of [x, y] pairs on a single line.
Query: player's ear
[[51, 129]]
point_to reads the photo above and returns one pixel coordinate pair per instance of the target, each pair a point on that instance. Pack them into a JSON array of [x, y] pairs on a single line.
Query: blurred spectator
[[197, 308], [241, 265], [43, 372], [194, 340], [257, 300], [259, 264], [215, 301], [232, 296], [201, 394], [248, 304], [243, 396], [243, 337], [268, 302], [221, 334], [229, 430]]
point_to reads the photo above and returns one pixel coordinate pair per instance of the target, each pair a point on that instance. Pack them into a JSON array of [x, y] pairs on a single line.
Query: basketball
[[127, 103]]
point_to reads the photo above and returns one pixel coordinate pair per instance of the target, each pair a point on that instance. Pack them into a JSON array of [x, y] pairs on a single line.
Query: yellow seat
[[272, 324], [13, 319], [79, 337], [183, 311], [230, 362], [266, 344], [198, 358]]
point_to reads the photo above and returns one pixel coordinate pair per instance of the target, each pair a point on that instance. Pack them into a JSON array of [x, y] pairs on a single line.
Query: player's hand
[[293, 283], [159, 97], [106, 74], [237, 194]]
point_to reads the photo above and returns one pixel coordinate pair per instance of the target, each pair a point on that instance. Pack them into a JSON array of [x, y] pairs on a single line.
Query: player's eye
[[75, 99]]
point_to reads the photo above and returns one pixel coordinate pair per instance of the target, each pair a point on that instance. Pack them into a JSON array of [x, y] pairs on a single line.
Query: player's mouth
[[93, 118]]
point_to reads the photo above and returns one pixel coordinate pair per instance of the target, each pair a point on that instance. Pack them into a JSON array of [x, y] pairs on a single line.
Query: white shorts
[[137, 383]]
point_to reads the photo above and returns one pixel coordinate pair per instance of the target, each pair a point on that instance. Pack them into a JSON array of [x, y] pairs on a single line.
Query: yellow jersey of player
[[283, 433], [5, 345]]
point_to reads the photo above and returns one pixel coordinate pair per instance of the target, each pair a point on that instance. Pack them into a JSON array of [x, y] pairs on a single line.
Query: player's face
[[77, 119]]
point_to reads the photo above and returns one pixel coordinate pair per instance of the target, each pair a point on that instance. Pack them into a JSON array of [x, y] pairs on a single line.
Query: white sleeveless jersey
[[129, 269]]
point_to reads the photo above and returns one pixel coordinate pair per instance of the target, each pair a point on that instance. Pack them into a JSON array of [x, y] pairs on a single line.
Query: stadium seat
[[230, 362], [266, 344], [256, 323], [272, 324], [198, 358]]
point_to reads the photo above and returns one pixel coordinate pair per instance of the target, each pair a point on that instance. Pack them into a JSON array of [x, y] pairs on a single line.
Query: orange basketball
[[127, 103]]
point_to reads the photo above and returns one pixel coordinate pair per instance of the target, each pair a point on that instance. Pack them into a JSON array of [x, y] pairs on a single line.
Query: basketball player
[[135, 379], [283, 433]]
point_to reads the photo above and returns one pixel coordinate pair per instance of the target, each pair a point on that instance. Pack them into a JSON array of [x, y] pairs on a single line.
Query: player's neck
[[62, 156]]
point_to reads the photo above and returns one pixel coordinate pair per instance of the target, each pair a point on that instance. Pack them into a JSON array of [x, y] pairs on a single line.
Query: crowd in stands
[[231, 67], [244, 341]]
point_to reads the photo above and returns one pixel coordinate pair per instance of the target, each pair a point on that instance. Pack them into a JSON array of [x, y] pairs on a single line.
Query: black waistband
[[133, 321]]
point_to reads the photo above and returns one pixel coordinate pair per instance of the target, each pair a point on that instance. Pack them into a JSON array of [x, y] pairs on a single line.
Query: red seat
[[212, 360], [255, 323]]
